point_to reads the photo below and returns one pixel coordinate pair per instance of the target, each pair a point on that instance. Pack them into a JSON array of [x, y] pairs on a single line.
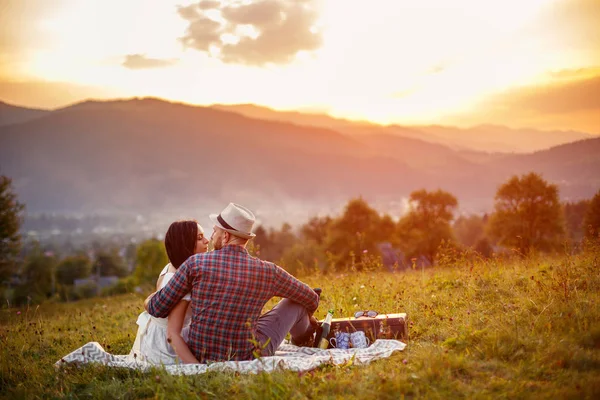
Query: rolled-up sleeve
[[289, 287], [161, 304]]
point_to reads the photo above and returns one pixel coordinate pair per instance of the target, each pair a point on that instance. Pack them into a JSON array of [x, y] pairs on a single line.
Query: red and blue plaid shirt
[[229, 290]]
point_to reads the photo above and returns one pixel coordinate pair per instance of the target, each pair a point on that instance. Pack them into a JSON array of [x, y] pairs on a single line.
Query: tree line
[[527, 217]]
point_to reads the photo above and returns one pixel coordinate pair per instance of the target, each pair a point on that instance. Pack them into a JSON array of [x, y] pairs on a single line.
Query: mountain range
[[148, 155], [485, 138]]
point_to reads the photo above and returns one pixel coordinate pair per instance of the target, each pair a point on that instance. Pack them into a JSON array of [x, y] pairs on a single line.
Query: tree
[[72, 268], [356, 232], [469, 230], [37, 276], [427, 224], [316, 229], [10, 223], [527, 214], [109, 263], [273, 243], [151, 258], [574, 218], [592, 217]]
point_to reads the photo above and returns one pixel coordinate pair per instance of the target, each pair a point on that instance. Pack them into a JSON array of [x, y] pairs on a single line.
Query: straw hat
[[235, 219]]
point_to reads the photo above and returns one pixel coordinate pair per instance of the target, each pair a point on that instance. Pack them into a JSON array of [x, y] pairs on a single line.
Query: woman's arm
[[174, 325]]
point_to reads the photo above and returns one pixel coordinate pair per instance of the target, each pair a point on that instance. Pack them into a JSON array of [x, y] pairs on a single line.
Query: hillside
[[483, 138], [10, 114], [495, 138], [144, 154], [496, 329], [147, 155]]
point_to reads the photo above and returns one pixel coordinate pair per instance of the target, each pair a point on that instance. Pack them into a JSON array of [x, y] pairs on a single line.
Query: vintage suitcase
[[382, 326]]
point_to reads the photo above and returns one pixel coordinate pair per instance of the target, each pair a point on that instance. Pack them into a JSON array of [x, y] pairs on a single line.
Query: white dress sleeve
[[166, 278]]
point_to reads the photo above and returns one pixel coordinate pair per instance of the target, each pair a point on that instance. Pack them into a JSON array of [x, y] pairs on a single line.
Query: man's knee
[[290, 306]]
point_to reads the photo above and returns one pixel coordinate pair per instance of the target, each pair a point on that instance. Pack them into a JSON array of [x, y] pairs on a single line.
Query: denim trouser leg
[[286, 316]]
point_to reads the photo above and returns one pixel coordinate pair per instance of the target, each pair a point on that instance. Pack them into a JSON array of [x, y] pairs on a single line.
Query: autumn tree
[[527, 214], [422, 229], [10, 223], [592, 217]]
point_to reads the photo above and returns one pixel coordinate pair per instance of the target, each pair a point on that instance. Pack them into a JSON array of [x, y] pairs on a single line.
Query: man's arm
[[288, 287], [163, 301]]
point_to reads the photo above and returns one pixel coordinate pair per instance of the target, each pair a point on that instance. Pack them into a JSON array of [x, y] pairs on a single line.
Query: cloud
[[257, 33], [562, 97], [140, 61], [569, 101]]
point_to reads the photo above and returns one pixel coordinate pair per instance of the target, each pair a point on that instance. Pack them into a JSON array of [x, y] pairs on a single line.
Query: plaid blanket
[[288, 357]]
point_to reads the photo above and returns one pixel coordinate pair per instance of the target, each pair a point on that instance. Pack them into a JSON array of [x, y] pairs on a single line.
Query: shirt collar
[[234, 248]]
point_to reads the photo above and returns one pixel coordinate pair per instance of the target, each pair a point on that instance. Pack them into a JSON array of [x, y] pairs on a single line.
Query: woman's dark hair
[[180, 241]]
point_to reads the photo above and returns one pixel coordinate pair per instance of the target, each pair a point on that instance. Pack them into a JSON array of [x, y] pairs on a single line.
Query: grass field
[[497, 329]]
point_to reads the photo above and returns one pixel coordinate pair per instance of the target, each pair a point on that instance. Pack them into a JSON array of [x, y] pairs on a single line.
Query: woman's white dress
[[151, 340]]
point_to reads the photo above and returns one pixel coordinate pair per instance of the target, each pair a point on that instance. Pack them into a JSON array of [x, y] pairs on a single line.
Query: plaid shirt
[[229, 290]]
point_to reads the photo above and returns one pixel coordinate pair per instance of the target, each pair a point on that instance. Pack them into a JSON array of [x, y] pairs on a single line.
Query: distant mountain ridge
[[487, 138], [10, 114], [150, 155]]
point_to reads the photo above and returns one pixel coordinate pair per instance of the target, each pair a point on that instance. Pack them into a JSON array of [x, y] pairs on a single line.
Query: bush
[[125, 285], [85, 291]]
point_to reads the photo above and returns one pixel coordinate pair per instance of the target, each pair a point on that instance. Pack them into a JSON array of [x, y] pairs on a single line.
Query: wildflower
[[365, 251], [405, 361], [18, 312]]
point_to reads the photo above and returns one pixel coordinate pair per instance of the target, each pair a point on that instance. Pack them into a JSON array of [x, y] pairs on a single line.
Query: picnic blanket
[[287, 356]]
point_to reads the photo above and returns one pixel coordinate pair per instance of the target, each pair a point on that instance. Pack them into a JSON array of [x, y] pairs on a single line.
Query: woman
[[163, 340]]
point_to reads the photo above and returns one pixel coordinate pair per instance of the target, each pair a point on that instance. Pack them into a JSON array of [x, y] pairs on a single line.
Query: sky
[[533, 63]]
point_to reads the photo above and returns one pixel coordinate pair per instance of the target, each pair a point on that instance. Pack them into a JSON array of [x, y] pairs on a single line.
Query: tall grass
[[522, 328]]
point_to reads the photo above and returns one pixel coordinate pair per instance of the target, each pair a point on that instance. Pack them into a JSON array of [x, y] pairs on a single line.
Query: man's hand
[[148, 301], [313, 321]]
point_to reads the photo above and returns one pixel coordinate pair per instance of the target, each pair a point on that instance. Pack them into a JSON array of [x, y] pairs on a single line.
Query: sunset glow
[[389, 61]]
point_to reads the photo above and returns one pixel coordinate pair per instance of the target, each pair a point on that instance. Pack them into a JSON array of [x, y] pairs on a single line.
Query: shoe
[[308, 339]]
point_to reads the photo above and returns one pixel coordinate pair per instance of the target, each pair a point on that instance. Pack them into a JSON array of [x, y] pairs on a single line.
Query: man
[[229, 290]]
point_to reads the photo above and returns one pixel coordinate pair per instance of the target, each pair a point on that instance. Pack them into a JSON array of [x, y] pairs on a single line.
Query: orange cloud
[[571, 101], [258, 33], [140, 61]]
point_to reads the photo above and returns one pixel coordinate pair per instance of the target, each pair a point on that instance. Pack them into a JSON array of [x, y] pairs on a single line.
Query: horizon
[[533, 65], [217, 106]]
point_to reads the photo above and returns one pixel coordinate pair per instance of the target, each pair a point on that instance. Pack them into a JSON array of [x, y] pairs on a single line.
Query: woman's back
[[152, 332]]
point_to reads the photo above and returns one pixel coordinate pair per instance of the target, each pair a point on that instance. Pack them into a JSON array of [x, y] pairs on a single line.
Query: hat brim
[[213, 218]]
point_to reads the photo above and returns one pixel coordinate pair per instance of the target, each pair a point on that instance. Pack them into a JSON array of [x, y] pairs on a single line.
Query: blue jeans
[[286, 316]]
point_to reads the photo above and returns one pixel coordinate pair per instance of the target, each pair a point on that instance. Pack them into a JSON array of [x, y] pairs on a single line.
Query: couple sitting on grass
[[208, 304]]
